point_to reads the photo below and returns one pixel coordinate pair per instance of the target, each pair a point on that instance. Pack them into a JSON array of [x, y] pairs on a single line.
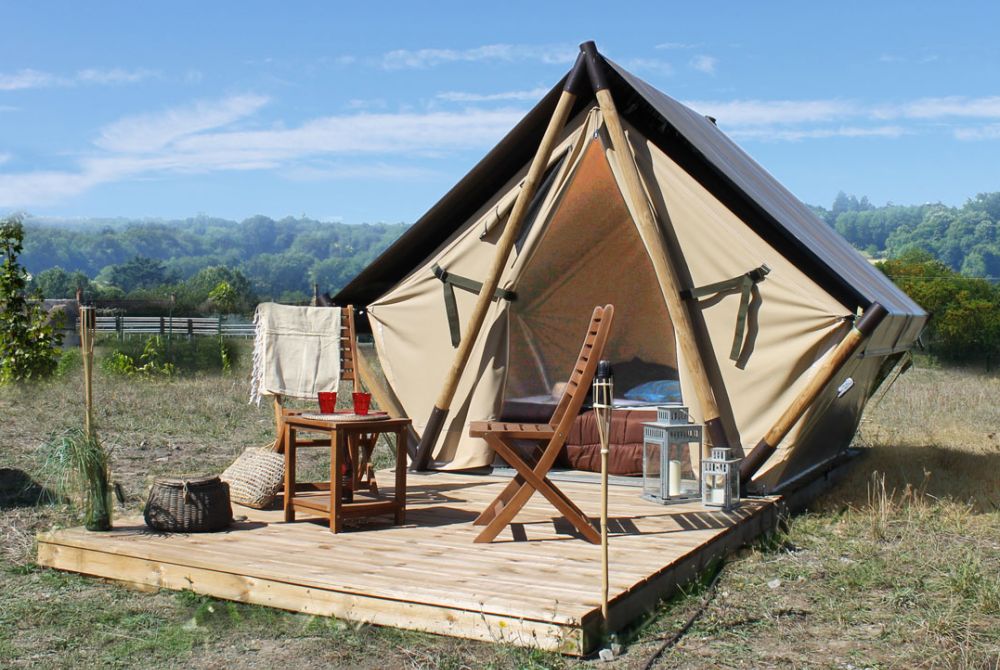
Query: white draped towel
[[296, 351]]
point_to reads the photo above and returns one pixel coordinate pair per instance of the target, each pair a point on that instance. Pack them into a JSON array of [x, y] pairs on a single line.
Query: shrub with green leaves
[[29, 346], [159, 356]]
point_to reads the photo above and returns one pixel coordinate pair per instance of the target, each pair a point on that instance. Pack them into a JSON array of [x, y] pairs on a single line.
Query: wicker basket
[[189, 505], [255, 477]]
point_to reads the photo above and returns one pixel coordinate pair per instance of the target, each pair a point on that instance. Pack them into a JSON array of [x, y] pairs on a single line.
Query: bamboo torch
[[87, 351], [506, 243], [603, 396]]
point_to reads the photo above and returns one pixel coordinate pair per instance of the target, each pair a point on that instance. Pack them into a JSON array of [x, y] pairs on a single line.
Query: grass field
[[898, 566]]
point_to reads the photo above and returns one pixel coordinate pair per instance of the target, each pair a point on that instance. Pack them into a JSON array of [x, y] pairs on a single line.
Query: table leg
[[400, 477], [288, 439], [337, 447]]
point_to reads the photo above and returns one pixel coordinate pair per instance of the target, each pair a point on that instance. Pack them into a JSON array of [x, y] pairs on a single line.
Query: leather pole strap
[[449, 281], [744, 283]]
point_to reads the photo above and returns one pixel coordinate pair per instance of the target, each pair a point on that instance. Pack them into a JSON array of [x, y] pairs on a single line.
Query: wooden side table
[[324, 498]]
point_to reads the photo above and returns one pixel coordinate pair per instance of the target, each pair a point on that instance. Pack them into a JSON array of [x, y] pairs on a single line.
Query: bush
[[28, 343], [965, 311], [70, 360], [161, 356]]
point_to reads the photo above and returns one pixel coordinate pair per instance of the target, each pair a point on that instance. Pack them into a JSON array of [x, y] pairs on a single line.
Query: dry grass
[[897, 567], [937, 430]]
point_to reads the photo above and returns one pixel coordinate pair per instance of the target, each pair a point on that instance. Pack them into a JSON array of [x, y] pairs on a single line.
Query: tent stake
[[655, 243], [504, 246], [843, 352]]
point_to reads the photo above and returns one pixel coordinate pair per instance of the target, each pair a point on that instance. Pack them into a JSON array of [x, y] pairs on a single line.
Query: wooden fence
[[174, 325]]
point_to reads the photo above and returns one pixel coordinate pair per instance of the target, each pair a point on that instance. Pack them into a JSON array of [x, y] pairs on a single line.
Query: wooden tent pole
[[656, 244], [842, 353], [504, 246]]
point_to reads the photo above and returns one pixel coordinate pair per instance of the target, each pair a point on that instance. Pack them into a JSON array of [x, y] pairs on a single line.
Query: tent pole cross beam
[[504, 246], [655, 242], [842, 353]]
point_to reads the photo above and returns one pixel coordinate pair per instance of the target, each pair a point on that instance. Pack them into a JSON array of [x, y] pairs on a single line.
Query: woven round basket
[[255, 477], [188, 505]]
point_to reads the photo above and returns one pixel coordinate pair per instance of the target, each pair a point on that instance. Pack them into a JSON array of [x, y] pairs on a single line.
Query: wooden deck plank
[[538, 584]]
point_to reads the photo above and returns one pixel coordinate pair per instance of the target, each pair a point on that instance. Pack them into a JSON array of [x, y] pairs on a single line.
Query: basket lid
[[188, 481]]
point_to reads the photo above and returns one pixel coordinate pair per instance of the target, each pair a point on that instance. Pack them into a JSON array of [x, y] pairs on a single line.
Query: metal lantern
[[720, 480], [670, 466]]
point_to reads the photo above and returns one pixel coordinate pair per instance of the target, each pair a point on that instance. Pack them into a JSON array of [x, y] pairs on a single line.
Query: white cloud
[[988, 132], [28, 78], [363, 171], [201, 138], [703, 63], [766, 112], [366, 133], [796, 134], [5, 157], [370, 103], [425, 58], [112, 76], [154, 131], [648, 65], [944, 107], [534, 94]]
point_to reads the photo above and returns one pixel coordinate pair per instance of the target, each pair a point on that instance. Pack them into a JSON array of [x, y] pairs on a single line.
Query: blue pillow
[[661, 390]]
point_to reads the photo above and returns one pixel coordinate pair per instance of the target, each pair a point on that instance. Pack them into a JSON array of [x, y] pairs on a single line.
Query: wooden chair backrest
[[583, 371], [348, 348]]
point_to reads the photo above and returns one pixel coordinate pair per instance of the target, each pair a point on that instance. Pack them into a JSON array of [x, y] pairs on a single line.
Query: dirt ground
[[898, 566]]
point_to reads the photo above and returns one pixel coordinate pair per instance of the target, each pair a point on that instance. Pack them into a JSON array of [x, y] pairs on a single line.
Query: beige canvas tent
[[791, 286]]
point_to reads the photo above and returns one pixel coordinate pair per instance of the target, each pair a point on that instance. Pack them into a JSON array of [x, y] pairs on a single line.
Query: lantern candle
[[675, 478]]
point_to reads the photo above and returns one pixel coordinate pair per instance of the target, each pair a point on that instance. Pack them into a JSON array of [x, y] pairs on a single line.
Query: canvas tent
[[579, 246]]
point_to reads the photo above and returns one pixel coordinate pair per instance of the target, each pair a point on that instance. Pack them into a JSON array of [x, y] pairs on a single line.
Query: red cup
[[362, 402], [327, 401]]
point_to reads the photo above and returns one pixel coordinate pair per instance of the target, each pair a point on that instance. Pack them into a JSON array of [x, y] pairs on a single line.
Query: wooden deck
[[537, 585]]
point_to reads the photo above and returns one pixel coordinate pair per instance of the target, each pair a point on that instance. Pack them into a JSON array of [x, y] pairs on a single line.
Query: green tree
[[57, 283], [28, 343], [223, 298], [965, 311], [137, 273]]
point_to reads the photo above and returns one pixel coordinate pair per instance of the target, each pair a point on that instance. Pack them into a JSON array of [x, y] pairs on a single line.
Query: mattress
[[582, 450], [583, 444]]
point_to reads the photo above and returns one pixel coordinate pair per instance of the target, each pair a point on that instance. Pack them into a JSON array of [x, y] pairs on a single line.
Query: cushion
[[255, 477], [660, 391]]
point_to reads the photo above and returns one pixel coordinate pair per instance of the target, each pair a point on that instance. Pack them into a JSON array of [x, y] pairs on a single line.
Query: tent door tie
[[744, 284], [449, 281]]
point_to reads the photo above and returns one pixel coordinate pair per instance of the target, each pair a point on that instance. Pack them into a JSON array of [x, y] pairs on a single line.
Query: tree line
[[260, 258], [966, 239]]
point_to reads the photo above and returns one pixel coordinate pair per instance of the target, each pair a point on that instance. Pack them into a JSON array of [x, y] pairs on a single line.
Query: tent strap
[[744, 284], [449, 281]]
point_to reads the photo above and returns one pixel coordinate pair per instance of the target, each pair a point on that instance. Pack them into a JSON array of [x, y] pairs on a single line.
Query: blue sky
[[371, 111]]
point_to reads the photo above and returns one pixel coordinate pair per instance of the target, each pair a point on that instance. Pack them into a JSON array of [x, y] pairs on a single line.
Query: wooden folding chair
[[528, 480]]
